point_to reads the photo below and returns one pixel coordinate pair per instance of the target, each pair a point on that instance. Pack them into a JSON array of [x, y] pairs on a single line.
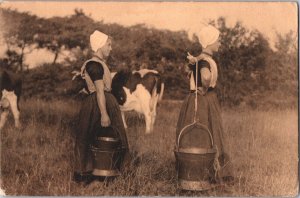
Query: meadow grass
[[38, 159]]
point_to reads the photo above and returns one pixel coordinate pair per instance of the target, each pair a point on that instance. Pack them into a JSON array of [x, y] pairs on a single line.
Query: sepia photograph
[[116, 98]]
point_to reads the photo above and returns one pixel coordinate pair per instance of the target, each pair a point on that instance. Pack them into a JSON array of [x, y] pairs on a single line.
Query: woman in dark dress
[[208, 111], [99, 109]]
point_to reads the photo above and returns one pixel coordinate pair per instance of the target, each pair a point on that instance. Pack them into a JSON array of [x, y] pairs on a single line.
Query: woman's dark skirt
[[89, 127], [208, 114]]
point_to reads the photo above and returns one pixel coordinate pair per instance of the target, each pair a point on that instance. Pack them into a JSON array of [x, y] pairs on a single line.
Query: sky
[[267, 17]]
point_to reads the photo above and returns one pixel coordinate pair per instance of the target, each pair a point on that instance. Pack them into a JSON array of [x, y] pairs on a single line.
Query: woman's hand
[[202, 90], [105, 120], [192, 59]]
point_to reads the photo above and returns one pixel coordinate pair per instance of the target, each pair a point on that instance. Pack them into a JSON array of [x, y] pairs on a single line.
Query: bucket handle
[[199, 124], [195, 113]]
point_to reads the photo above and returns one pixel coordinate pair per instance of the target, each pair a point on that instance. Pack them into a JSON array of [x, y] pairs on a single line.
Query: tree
[[241, 62], [282, 65], [19, 32], [59, 33]]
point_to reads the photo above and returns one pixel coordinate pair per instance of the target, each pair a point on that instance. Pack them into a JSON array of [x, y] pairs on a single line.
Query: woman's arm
[[192, 59], [205, 77], [105, 120]]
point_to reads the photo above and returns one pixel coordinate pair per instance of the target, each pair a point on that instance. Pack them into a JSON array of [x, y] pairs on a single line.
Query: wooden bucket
[[195, 165], [108, 156]]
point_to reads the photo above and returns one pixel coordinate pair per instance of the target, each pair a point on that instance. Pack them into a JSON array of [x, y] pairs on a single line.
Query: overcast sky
[[267, 17]]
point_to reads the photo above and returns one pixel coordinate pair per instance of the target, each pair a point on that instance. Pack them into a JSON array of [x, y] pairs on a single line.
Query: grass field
[[38, 159]]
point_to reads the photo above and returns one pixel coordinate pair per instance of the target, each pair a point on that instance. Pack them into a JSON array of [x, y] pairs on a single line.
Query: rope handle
[[196, 94], [199, 124], [195, 113]]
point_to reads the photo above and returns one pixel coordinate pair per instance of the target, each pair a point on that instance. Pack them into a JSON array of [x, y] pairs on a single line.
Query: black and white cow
[[10, 92], [138, 91]]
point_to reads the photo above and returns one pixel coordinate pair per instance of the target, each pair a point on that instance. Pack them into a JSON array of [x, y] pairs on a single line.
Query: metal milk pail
[[108, 156], [195, 165]]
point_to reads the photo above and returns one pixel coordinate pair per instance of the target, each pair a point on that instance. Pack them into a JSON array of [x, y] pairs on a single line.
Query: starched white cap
[[208, 35], [97, 40]]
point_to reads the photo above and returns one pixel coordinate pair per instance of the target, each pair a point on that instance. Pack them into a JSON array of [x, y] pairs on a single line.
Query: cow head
[[119, 80], [120, 95]]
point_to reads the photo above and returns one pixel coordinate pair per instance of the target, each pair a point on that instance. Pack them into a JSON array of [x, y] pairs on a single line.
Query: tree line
[[250, 71]]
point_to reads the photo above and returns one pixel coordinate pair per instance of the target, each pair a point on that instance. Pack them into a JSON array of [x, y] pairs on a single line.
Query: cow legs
[[153, 116], [124, 120], [3, 118], [145, 100], [14, 109], [153, 111], [148, 121]]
